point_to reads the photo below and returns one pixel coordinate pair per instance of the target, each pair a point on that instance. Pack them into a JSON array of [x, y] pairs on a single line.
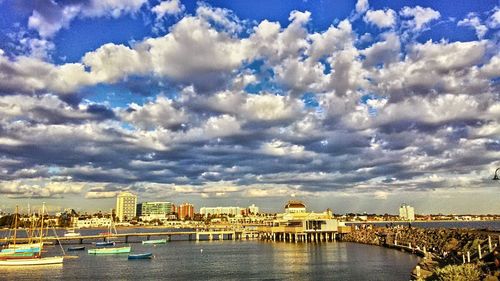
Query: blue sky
[[350, 105]]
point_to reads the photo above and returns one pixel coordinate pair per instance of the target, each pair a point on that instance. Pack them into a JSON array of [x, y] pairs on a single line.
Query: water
[[490, 225], [230, 260]]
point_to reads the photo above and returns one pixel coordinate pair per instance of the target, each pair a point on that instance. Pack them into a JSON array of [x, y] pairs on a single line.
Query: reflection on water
[[231, 260]]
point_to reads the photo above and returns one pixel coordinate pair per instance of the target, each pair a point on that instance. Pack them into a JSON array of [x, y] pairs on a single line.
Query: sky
[[357, 106]]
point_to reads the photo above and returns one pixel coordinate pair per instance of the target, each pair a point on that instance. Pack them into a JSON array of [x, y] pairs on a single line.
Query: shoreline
[[438, 247]]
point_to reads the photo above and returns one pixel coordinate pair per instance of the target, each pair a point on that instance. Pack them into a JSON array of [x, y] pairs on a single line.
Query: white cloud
[[381, 18], [47, 27], [473, 21], [49, 19], [160, 113], [385, 52], [169, 7], [39, 188], [100, 194], [421, 16], [494, 20], [284, 149], [361, 6]]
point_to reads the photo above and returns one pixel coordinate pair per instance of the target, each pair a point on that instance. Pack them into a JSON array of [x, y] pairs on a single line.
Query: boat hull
[[104, 244], [21, 250], [6, 256], [160, 241], [109, 251], [33, 261], [76, 248], [140, 256]]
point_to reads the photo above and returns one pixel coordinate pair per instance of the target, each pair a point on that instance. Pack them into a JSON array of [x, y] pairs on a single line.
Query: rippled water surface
[[230, 260]]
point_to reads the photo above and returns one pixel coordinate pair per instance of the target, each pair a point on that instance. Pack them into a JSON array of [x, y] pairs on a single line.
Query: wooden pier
[[125, 237]]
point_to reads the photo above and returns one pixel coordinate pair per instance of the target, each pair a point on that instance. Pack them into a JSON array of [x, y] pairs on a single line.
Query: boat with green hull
[[109, 251]]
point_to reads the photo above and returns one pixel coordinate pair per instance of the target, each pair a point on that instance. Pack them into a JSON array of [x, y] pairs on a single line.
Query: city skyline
[[356, 106]]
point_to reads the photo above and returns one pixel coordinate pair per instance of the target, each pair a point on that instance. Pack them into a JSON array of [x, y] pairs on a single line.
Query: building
[[296, 224], [294, 206], [91, 222], [154, 208], [185, 210], [126, 206], [253, 209], [406, 212], [221, 211]]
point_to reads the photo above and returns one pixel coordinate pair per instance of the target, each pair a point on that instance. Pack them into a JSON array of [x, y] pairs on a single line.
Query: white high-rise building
[[406, 212], [253, 209], [126, 206]]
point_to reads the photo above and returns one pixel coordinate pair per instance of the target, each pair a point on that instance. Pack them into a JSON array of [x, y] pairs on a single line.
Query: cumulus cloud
[[160, 113], [494, 19], [49, 17], [420, 17], [473, 21], [169, 7], [251, 109], [39, 189], [361, 6], [381, 18]]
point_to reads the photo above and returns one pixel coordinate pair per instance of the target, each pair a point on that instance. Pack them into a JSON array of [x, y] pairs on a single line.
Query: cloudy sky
[[356, 106]]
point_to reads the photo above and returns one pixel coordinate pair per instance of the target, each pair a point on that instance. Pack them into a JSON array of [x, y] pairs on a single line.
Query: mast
[[41, 231], [15, 225]]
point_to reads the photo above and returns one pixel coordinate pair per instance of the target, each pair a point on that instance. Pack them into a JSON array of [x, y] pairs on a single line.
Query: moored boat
[[28, 254], [32, 261], [140, 256], [109, 251], [4, 256], [71, 233], [21, 250], [158, 241], [104, 244], [77, 248]]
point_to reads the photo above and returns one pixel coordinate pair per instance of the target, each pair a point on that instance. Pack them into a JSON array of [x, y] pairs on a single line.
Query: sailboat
[[109, 250], [107, 242], [24, 258]]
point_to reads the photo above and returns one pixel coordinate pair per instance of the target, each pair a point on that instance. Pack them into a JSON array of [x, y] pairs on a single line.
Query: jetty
[[203, 234]]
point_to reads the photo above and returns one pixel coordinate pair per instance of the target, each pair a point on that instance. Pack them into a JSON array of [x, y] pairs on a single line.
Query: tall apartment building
[[253, 209], [406, 212], [126, 206], [185, 210]]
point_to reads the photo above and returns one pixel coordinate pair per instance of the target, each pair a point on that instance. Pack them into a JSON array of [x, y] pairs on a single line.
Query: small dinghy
[[140, 256], [79, 248], [104, 244]]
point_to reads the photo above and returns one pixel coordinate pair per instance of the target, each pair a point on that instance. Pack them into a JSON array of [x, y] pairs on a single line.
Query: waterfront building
[[296, 224], [126, 206], [154, 208], [185, 210], [91, 222], [205, 211], [406, 212], [294, 206]]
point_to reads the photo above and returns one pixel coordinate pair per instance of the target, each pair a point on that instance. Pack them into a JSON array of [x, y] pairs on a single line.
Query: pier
[[126, 237]]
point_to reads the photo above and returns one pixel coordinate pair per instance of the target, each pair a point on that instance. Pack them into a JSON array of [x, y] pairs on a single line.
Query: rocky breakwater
[[444, 252]]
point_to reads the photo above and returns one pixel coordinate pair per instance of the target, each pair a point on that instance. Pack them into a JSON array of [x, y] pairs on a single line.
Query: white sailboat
[[35, 260]]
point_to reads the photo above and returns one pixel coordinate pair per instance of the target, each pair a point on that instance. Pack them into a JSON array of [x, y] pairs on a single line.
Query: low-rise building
[[91, 222], [299, 225]]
